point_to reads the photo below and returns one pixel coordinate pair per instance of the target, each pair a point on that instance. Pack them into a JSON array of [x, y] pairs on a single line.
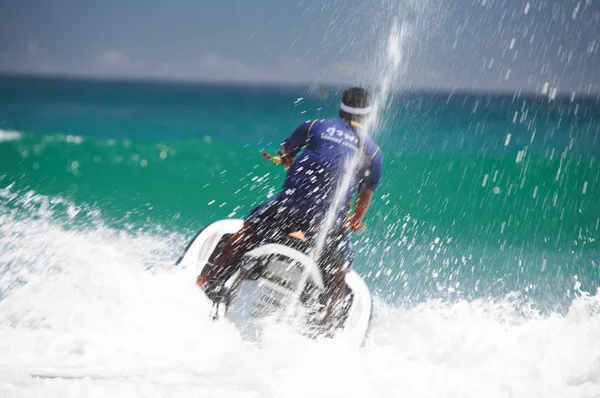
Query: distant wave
[[9, 135]]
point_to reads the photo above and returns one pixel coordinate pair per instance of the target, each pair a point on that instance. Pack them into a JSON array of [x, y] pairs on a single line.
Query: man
[[317, 155]]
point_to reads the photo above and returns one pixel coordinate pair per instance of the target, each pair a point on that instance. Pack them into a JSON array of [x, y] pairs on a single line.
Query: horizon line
[[282, 84]]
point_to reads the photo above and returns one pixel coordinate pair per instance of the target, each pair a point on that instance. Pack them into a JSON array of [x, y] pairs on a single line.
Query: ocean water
[[481, 248]]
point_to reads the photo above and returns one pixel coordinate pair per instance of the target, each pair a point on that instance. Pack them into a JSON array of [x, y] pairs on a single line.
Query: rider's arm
[[361, 206], [296, 142], [375, 170]]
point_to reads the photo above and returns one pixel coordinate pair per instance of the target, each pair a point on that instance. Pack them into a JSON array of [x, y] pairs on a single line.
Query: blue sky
[[502, 45]]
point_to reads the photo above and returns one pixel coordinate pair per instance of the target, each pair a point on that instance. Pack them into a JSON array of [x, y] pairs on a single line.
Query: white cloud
[[216, 65], [208, 66], [114, 57], [118, 63], [346, 69], [33, 47], [343, 72]]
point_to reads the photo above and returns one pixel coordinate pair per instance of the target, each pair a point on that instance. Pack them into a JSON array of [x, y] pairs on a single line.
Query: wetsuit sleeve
[[299, 138], [375, 170]]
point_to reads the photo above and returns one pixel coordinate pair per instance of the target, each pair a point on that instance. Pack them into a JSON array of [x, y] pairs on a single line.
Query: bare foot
[[201, 280]]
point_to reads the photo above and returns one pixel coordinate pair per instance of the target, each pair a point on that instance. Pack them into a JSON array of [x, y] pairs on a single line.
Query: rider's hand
[[356, 224], [287, 160]]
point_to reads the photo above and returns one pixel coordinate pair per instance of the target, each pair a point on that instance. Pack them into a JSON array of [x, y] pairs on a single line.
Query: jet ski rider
[[317, 155]]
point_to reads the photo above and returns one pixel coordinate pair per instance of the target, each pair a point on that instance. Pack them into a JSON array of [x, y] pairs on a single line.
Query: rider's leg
[[226, 263], [334, 295], [335, 265]]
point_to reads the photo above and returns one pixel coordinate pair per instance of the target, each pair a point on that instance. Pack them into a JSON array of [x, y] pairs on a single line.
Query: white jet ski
[[276, 283]]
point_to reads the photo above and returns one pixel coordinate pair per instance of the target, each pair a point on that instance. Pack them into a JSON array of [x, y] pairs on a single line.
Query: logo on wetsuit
[[340, 137]]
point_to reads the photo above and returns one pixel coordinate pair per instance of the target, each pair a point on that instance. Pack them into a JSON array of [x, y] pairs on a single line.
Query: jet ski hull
[[276, 291]]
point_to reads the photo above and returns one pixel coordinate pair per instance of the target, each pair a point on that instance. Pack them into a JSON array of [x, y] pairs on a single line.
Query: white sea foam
[[94, 311], [9, 135]]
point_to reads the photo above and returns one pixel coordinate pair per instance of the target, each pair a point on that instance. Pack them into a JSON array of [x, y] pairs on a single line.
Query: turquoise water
[[481, 194], [481, 246]]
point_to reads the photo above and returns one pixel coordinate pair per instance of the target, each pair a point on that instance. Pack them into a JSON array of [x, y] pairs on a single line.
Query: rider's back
[[329, 145]]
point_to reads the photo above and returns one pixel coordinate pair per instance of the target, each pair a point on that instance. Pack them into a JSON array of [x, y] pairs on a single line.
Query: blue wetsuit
[[309, 188]]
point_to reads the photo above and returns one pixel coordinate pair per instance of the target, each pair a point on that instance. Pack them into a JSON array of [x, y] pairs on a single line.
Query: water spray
[[389, 73]]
